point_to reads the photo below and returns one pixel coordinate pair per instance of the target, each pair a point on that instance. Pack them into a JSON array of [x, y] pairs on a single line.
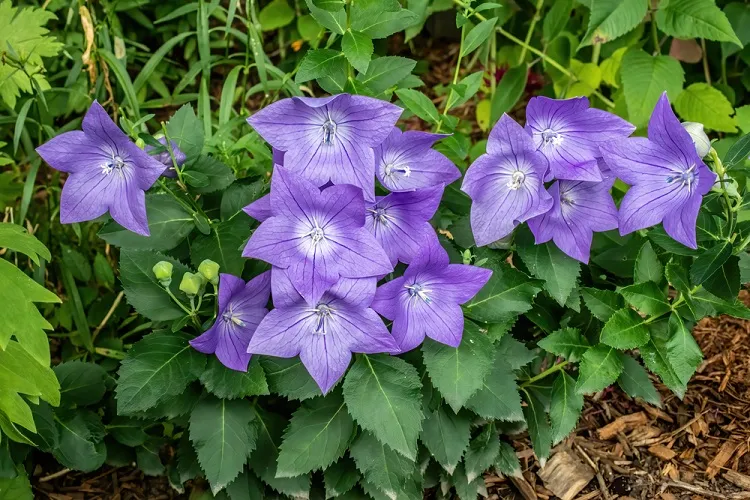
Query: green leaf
[[725, 283], [142, 289], [221, 433], [371, 18], [611, 19], [147, 458], [103, 271], [246, 487], [446, 435], [635, 382], [513, 352], [510, 89], [308, 28], [647, 297], [21, 373], [538, 425], [647, 265], [566, 342], [341, 477], [565, 407], [738, 14], [602, 303], [508, 292], [738, 153], [385, 72], [478, 35], [498, 398], [168, 222], [507, 461], [556, 19], [702, 103], [225, 383], [333, 20], [459, 372], [219, 175], [317, 63], [382, 393], [318, 435], [358, 49], [161, 364], [482, 452], [128, 431], [684, 353], [81, 383], [709, 262], [599, 368], [695, 19], [238, 196], [16, 238], [646, 78], [381, 466], [656, 358], [275, 15], [470, 84], [186, 130], [419, 104], [549, 263], [47, 435], [80, 446], [16, 488], [223, 246], [624, 330], [289, 378], [77, 264]]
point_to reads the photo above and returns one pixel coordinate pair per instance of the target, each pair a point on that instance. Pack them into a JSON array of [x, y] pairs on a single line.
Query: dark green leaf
[[446, 435], [656, 358], [498, 398], [341, 477], [540, 431], [635, 382], [482, 452], [147, 458], [238, 196], [602, 303], [219, 175], [103, 271], [372, 19], [317, 63], [738, 153], [507, 291], [223, 246], [358, 49], [507, 461], [549, 263], [246, 487], [599, 368], [419, 104], [725, 282], [478, 35], [289, 378], [684, 353], [564, 407], [624, 330], [566, 342], [556, 19], [385, 469], [225, 383], [128, 431], [385, 72], [80, 446], [77, 264], [647, 265], [185, 129], [81, 383], [709, 262], [509, 90], [647, 297]]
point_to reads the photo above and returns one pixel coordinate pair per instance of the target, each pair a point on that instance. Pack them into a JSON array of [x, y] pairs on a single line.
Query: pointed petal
[[207, 341], [260, 209], [326, 358], [457, 283], [231, 347], [281, 332], [357, 292], [637, 159], [229, 286], [276, 243], [387, 298], [254, 294], [665, 130], [507, 137], [680, 224], [74, 152], [646, 205], [86, 195], [128, 208], [283, 291]]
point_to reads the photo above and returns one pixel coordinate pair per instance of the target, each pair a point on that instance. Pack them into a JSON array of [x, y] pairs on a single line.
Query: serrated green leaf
[[340, 477], [16, 488], [81, 383], [289, 378], [419, 104], [611, 19], [602, 303], [17, 239], [564, 407], [465, 486], [221, 433], [318, 435], [549, 263], [147, 457], [684, 353], [725, 282], [498, 398], [738, 153], [219, 175], [702, 103], [635, 382], [333, 20], [470, 84], [647, 297], [556, 19], [275, 15], [80, 446], [127, 431], [446, 435], [655, 356], [385, 72], [317, 63], [482, 452], [161, 364], [246, 487], [508, 291], [382, 393], [565, 342], [186, 130], [21, 373], [507, 461], [695, 19], [376, 20], [647, 265], [624, 330], [709, 262], [382, 467], [358, 49], [478, 35], [599, 368], [513, 352], [223, 246], [537, 422], [459, 372], [225, 383], [646, 78]]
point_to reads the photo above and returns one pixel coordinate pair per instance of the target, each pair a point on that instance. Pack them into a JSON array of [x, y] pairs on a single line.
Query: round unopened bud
[[191, 283], [163, 272], [699, 137], [210, 270], [140, 143]]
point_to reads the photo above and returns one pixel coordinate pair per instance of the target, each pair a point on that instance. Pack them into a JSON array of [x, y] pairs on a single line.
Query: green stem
[[706, 70], [545, 373], [493, 65], [168, 140], [595, 53], [448, 100], [530, 32], [178, 302], [655, 36]]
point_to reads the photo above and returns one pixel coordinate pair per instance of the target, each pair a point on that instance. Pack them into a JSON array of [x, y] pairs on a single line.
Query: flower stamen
[[391, 170], [380, 215], [686, 178], [329, 132], [517, 179], [117, 163], [324, 312], [549, 136], [417, 290]]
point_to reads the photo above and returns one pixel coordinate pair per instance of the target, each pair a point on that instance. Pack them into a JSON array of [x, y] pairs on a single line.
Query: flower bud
[[163, 272], [140, 143], [210, 270], [191, 283], [699, 137]]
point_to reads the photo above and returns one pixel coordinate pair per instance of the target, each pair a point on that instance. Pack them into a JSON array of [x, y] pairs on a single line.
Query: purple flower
[[579, 209], [107, 172], [317, 236], [404, 161], [328, 138], [399, 221], [165, 158], [568, 133], [242, 306], [260, 209], [667, 176], [323, 332], [426, 299], [506, 184]]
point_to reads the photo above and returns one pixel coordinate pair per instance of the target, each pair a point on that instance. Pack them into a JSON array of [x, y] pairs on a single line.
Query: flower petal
[[281, 332]]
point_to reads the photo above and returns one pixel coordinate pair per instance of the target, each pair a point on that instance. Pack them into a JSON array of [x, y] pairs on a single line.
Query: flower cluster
[[583, 150]]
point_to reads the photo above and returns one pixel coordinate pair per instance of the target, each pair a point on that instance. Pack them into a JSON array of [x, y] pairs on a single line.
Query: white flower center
[[316, 234], [418, 290], [380, 215], [329, 132], [115, 164], [324, 313], [685, 178], [549, 136], [229, 316], [391, 170], [516, 180]]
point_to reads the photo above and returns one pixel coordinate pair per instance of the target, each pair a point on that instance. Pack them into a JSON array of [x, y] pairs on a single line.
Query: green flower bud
[[163, 272], [210, 270], [140, 143], [191, 283]]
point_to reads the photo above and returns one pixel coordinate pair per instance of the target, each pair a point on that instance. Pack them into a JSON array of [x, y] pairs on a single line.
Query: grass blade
[[227, 95], [123, 78]]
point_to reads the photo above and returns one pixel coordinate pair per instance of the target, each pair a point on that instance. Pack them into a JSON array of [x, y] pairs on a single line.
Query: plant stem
[[595, 54], [493, 65], [178, 302], [706, 70], [545, 373], [448, 100], [168, 140], [530, 32], [655, 36]]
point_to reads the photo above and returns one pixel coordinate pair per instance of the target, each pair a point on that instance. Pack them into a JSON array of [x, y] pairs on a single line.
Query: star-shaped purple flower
[[400, 222], [405, 161], [668, 179], [506, 183], [260, 209], [317, 236], [568, 132], [166, 159], [580, 208], [328, 138], [426, 300], [107, 172], [325, 332], [242, 306]]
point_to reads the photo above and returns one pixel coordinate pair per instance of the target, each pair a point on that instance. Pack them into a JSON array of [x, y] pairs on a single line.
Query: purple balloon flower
[[328, 138], [242, 306], [405, 161], [107, 172], [568, 133], [260, 209], [323, 332], [579, 209], [317, 236], [165, 159], [506, 183], [426, 300], [400, 222], [667, 176]]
